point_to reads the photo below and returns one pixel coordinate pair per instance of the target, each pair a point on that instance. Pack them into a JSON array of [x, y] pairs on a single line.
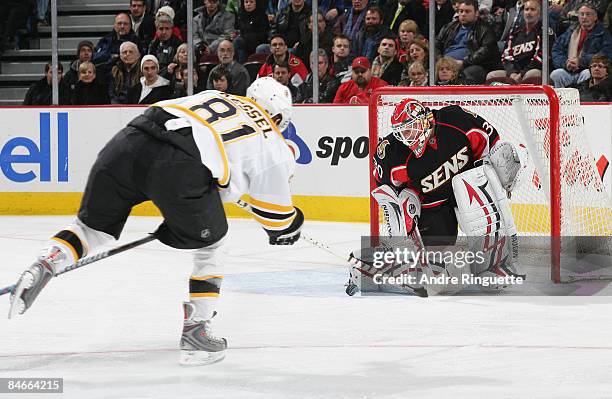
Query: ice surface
[[111, 329]]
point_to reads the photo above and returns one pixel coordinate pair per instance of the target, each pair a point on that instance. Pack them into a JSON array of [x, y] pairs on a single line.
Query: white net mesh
[[524, 119]]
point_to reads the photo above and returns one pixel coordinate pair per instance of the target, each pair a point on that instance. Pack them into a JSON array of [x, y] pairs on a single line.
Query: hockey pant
[[138, 165]]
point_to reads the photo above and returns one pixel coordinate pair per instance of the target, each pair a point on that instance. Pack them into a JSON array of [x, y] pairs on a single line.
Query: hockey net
[[562, 195]]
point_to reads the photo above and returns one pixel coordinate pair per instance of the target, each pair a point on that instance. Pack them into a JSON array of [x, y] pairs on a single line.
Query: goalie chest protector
[[449, 152]]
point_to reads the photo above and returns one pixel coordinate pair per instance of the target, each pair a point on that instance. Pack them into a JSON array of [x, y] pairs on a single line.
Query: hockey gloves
[[291, 234]]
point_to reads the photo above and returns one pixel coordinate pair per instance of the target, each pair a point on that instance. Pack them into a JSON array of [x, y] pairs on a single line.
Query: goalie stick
[[94, 258]]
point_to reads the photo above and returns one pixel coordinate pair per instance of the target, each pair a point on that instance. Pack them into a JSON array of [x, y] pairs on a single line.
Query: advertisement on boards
[[52, 149]]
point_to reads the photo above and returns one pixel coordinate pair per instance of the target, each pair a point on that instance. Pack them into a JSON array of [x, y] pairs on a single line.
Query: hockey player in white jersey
[[188, 156]]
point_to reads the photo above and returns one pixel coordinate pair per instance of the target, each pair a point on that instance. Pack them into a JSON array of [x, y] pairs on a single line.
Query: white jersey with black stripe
[[244, 150]]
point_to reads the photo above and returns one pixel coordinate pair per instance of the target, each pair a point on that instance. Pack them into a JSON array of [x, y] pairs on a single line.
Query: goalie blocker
[[401, 212], [366, 271]]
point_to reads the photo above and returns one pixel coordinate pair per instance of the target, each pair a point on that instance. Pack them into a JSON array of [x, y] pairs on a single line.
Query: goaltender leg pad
[[484, 215], [509, 162]]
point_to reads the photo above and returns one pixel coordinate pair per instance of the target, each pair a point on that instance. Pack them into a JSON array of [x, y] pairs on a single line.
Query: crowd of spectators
[[362, 44]]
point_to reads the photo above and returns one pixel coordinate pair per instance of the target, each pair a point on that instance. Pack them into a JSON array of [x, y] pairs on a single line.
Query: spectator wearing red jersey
[[279, 55], [359, 89]]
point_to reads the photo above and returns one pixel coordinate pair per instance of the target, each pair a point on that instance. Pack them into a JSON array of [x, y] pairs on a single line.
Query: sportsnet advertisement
[[332, 151], [50, 150]]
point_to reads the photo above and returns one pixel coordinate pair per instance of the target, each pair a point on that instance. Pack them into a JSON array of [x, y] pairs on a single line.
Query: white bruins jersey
[[244, 150]]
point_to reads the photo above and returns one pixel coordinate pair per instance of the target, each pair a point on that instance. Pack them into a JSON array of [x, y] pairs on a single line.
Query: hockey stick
[[247, 207], [94, 258], [322, 246]]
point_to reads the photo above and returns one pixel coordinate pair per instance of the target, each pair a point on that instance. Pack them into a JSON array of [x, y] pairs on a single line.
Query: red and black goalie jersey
[[460, 137]]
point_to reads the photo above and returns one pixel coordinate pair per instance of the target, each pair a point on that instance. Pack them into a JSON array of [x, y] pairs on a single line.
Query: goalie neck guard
[[412, 124]]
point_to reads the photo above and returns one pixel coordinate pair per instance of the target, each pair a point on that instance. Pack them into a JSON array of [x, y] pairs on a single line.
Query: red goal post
[[545, 120]]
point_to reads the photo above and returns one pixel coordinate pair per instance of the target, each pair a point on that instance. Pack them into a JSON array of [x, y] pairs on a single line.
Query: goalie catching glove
[[509, 162]]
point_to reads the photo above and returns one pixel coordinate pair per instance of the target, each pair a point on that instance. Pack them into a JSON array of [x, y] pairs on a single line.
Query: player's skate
[[33, 280], [198, 346]]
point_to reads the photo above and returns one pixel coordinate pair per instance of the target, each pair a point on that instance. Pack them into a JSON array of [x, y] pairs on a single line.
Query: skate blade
[[17, 304], [200, 358]]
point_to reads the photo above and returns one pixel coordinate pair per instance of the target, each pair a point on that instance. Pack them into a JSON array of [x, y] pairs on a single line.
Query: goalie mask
[[411, 123], [274, 98]]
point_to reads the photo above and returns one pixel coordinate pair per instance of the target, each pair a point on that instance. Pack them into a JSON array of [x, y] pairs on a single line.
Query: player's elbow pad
[[289, 235]]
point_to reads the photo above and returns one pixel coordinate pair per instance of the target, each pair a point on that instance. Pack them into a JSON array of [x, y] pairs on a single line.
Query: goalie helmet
[[274, 97], [411, 123]]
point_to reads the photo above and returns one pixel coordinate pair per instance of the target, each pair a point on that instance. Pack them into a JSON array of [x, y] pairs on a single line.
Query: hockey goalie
[[439, 170]]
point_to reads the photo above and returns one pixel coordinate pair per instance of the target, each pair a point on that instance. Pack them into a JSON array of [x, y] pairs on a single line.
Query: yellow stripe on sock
[[268, 206], [202, 278], [203, 295], [279, 224]]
